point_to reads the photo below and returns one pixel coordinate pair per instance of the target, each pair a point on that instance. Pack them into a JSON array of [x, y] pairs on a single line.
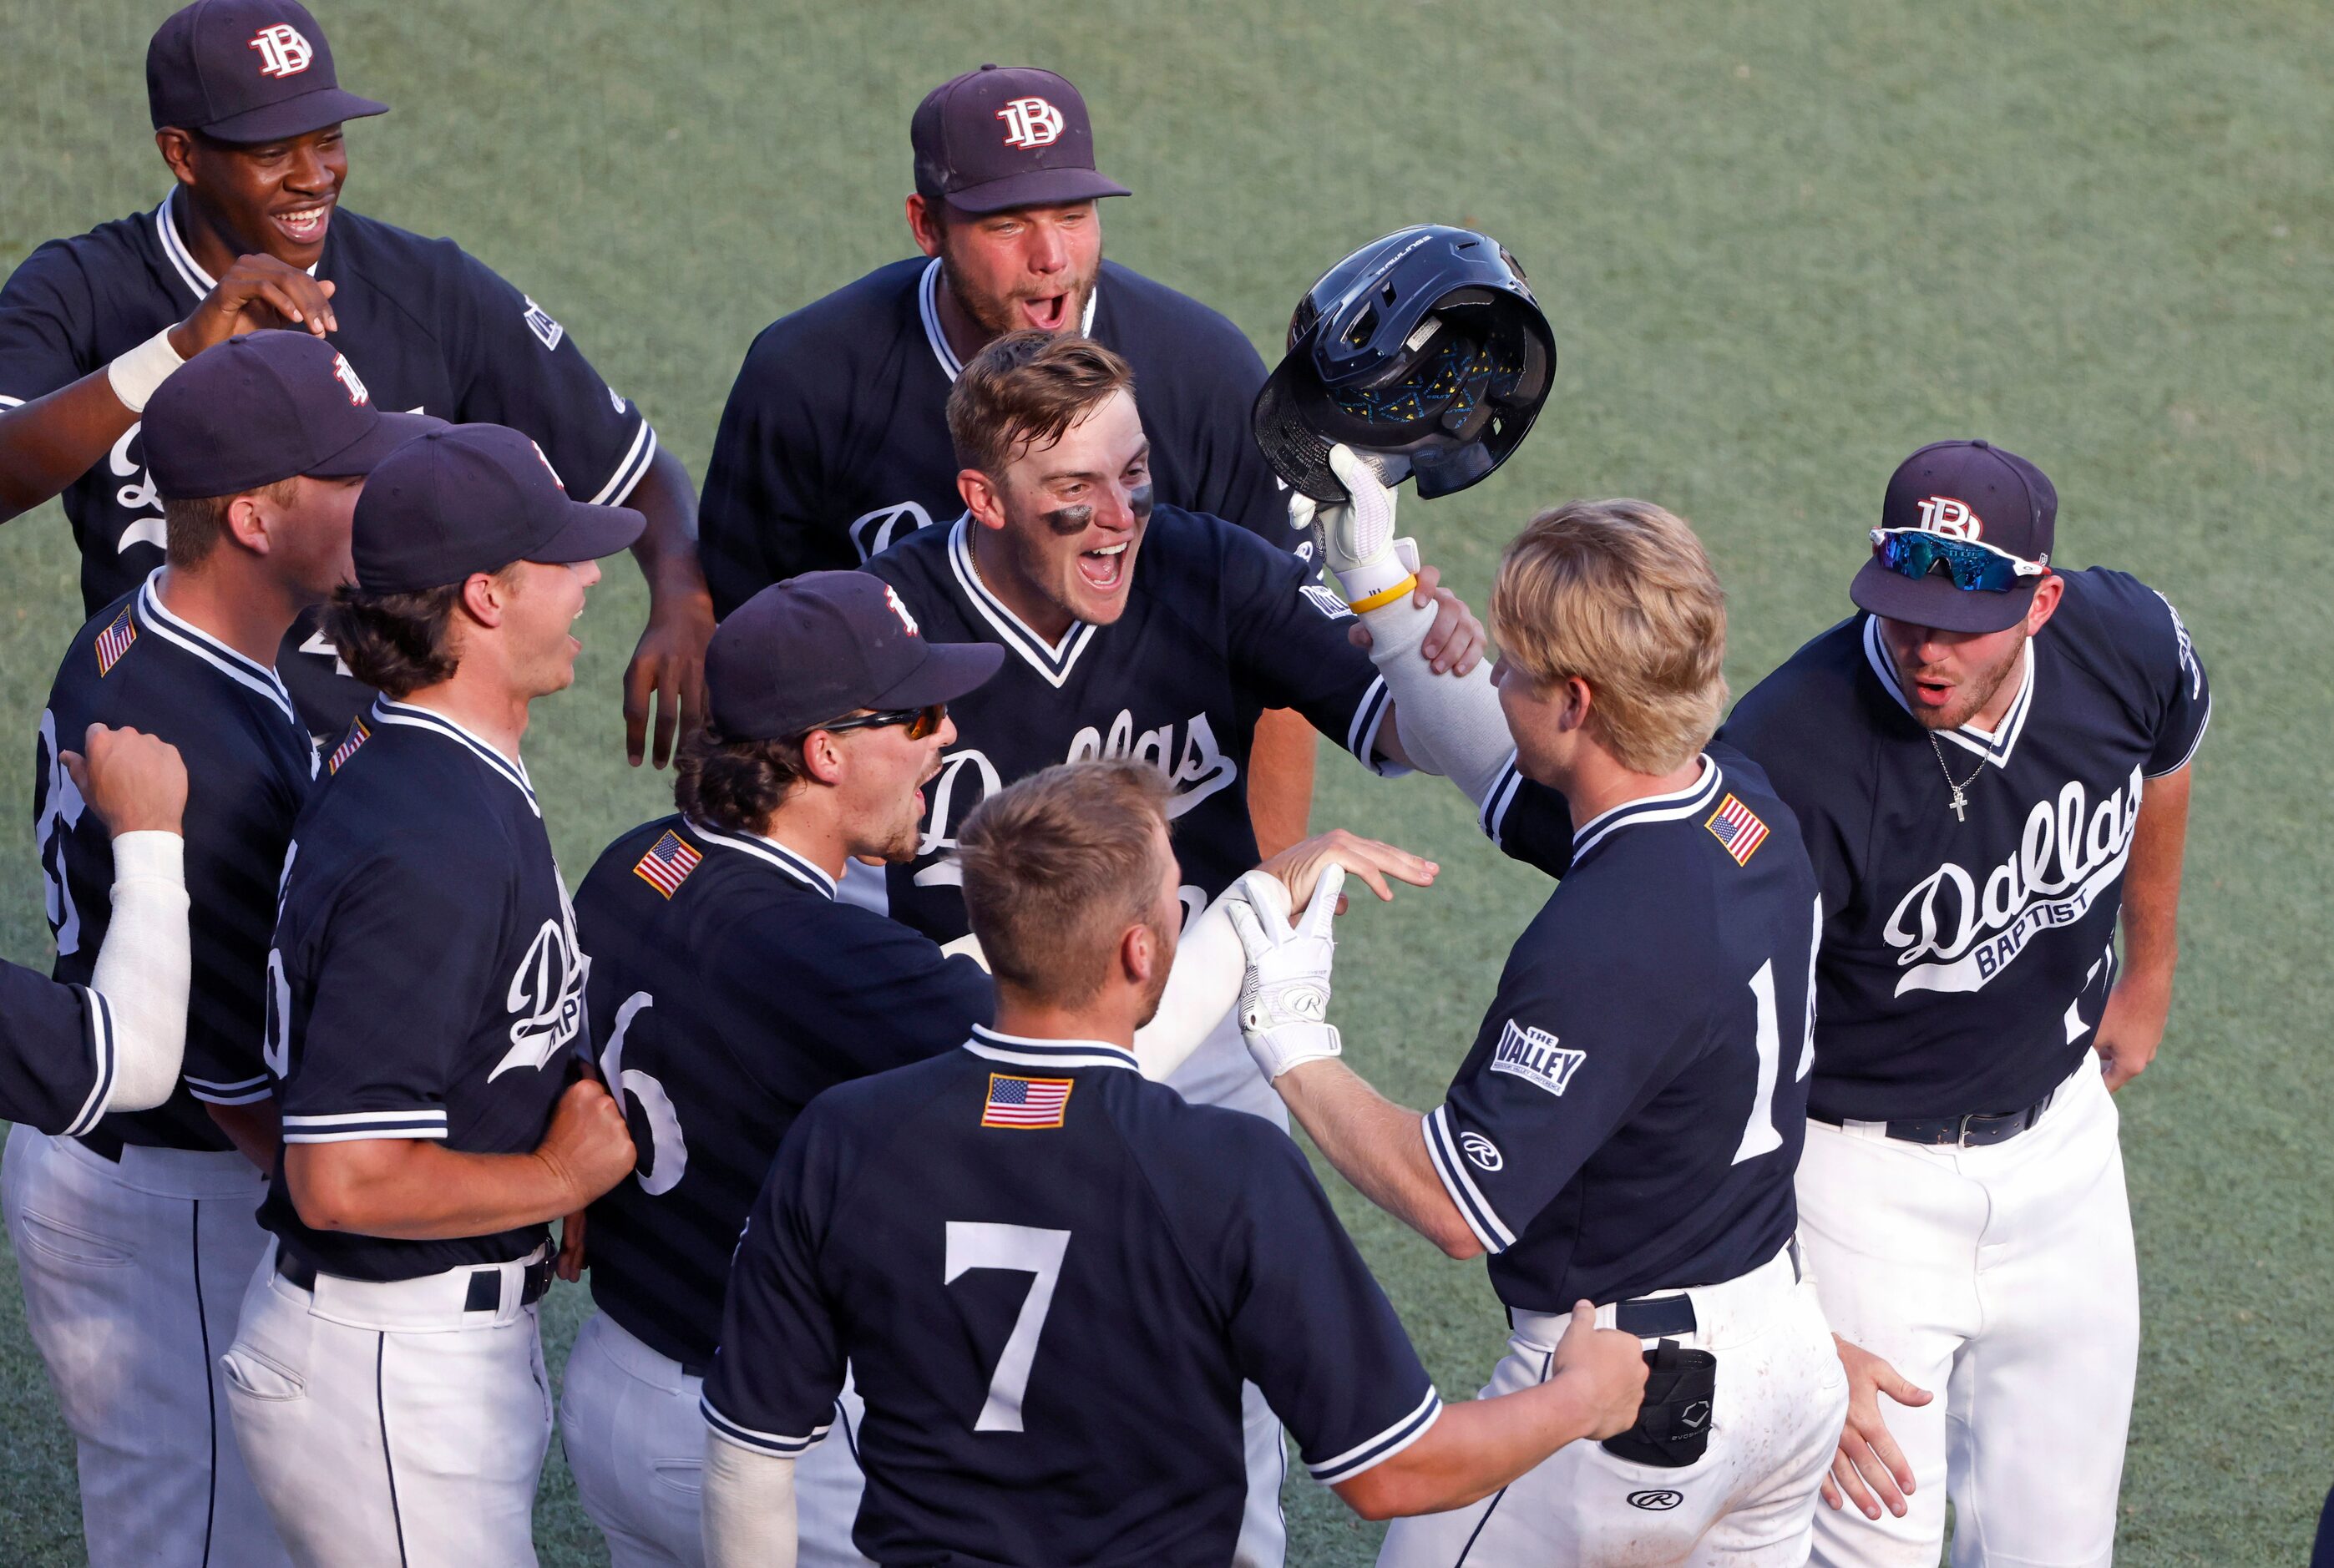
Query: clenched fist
[[588, 1145]]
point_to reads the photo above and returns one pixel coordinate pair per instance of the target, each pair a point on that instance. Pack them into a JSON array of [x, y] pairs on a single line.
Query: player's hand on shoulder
[[588, 1144], [134, 781], [257, 292], [1299, 867], [1606, 1368], [1869, 1469]]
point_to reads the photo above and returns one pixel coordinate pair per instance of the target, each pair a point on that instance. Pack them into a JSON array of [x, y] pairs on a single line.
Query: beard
[[996, 314], [1977, 688]]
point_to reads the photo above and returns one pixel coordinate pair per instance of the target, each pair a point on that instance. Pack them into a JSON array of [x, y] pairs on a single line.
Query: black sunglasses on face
[[922, 722]]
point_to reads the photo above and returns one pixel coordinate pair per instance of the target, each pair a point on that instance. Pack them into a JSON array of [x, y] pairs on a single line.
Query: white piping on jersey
[[1377, 1450], [242, 1091], [174, 246], [2189, 756], [102, 1050], [1994, 745], [770, 850], [1505, 786], [1021, 1051], [633, 469], [1054, 660], [1465, 1195], [357, 1126], [384, 711], [729, 1431], [928, 308], [1369, 715], [1668, 808], [260, 678]]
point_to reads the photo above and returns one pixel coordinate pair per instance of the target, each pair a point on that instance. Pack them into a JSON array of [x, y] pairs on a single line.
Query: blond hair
[[1621, 594], [1057, 866], [1023, 390]]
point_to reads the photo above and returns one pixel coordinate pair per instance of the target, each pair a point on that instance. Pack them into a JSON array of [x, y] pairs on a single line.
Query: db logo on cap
[[282, 52], [1953, 519], [346, 374], [1030, 122]]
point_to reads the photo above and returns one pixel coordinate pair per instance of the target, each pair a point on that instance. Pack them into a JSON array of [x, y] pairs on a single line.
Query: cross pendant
[[1960, 802]]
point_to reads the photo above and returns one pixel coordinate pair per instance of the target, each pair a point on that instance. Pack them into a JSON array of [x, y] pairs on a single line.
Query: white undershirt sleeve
[[1206, 979], [144, 968], [747, 1507], [1449, 725]]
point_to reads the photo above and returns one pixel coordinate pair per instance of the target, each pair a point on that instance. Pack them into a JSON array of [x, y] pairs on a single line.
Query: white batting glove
[[1284, 1006], [1356, 537]]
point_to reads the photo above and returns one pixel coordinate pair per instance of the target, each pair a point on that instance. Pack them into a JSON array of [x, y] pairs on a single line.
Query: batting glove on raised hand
[[1284, 1005], [1356, 537]]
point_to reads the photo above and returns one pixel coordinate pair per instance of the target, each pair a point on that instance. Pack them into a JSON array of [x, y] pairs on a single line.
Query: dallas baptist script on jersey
[[1218, 626], [1965, 963], [249, 769], [1630, 1117], [1049, 1277], [426, 981], [430, 329], [729, 989], [834, 443]]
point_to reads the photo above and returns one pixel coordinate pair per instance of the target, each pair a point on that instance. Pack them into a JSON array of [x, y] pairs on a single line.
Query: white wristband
[[136, 374]]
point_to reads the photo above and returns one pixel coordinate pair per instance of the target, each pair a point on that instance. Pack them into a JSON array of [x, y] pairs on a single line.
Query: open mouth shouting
[[1046, 313], [1103, 569]]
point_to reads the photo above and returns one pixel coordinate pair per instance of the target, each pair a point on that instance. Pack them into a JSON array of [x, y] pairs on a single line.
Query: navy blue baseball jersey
[[1630, 1117], [1966, 961], [729, 989], [426, 981], [835, 442], [1049, 1277], [249, 769], [430, 329], [1218, 626], [56, 1053]]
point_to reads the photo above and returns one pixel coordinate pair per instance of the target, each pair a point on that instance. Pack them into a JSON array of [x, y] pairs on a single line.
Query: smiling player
[[248, 113]]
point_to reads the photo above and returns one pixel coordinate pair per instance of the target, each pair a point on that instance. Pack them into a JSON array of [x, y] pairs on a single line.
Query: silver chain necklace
[[1959, 802]]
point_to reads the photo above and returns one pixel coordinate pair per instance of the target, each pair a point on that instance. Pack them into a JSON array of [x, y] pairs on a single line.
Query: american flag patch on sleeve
[[358, 735], [1025, 1102], [667, 864], [114, 641], [1733, 825]]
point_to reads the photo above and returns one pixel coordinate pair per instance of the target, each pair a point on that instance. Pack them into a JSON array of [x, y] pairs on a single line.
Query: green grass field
[[1782, 245]]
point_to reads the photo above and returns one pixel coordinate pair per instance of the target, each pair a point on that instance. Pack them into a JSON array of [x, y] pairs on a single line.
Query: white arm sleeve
[[144, 968], [1449, 725], [1206, 979], [747, 1507]]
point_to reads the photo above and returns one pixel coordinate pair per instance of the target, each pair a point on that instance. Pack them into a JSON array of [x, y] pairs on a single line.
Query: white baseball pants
[[635, 1439], [134, 1273], [1747, 1503], [386, 1426], [2002, 1280]]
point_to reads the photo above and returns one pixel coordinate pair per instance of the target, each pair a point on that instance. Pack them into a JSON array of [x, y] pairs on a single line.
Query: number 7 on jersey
[[1025, 1249]]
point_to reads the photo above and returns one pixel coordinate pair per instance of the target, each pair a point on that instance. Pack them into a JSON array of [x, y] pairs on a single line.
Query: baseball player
[[259, 448], [70, 1053], [425, 1035], [836, 440], [1990, 767], [1050, 1276], [1625, 1125], [729, 987], [1130, 629], [248, 114]]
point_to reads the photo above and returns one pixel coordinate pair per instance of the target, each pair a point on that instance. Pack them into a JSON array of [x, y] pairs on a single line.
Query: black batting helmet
[[1425, 350]]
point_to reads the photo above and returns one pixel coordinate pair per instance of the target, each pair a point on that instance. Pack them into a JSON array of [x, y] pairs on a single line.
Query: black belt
[[1974, 1130], [486, 1283], [1670, 1316], [103, 1144]]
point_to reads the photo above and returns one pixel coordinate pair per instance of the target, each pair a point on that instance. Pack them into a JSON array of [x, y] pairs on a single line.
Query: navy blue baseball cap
[[467, 498], [246, 70], [1977, 492], [1006, 137], [265, 407], [824, 645]]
